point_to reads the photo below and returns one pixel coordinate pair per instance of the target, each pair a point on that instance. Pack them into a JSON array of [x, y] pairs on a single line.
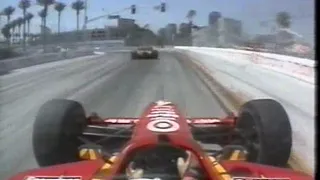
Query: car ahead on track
[[161, 144], [146, 52]]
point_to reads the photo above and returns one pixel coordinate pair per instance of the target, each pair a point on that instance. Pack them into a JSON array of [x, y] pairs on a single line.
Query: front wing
[[192, 121]]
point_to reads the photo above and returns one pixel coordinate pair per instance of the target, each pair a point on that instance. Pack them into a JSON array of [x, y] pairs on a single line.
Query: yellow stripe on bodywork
[[235, 155], [92, 154], [113, 158], [217, 166], [84, 154], [107, 165]]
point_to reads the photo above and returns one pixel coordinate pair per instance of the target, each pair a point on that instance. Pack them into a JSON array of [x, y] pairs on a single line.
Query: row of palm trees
[[10, 27]]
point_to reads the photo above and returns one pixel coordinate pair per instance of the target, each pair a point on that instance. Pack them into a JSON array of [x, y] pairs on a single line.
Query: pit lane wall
[[245, 79]]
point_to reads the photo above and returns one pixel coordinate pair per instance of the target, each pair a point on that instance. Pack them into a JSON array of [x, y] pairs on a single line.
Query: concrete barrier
[[300, 68], [21, 62], [279, 57]]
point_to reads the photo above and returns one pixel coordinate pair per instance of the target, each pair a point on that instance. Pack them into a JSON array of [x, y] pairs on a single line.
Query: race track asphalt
[[111, 85]]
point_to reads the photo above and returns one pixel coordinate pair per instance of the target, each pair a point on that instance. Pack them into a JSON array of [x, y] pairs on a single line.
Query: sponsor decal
[[162, 103], [53, 178], [163, 118], [121, 121], [163, 115], [162, 111], [204, 121], [163, 126]]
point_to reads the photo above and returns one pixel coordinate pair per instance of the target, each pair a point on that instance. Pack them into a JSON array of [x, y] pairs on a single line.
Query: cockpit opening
[[164, 162]]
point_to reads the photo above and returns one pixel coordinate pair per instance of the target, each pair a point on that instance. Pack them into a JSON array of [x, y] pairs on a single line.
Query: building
[[208, 35], [170, 32], [230, 31], [213, 18], [223, 32], [185, 29], [285, 41], [205, 36], [124, 23], [172, 28], [124, 27], [230, 26]]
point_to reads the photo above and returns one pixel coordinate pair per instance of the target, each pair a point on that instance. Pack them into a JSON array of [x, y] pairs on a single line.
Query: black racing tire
[[57, 126], [271, 141], [134, 55], [155, 55]]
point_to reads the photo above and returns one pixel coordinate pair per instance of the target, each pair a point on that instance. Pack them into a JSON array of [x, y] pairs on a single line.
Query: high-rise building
[[185, 28], [230, 30], [213, 17], [124, 23], [170, 32], [172, 28], [230, 26]]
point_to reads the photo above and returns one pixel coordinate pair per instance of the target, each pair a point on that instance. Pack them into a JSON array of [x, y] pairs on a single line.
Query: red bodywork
[[142, 137]]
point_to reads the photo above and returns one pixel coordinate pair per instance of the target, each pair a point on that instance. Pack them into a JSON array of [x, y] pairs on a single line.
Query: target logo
[[164, 125], [163, 119]]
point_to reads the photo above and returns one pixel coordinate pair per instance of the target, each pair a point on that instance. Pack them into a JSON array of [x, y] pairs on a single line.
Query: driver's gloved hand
[[183, 164], [193, 173], [233, 152], [134, 173]]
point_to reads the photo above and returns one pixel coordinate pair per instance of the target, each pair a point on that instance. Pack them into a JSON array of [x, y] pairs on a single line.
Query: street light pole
[[85, 14], [85, 34]]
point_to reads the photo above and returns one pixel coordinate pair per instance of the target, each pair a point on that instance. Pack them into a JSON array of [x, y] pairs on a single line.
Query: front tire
[[58, 124], [155, 55], [266, 127], [134, 55]]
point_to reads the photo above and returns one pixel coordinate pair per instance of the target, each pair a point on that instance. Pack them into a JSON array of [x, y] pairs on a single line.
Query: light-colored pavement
[[111, 85]]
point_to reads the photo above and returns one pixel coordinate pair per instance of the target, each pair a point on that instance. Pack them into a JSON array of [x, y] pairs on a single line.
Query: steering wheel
[[154, 162], [160, 161]]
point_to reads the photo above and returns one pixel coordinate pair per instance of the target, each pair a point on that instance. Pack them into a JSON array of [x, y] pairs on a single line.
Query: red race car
[[162, 144]]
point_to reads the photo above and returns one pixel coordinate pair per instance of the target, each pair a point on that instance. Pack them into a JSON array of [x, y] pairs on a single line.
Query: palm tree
[[42, 15], [59, 7], [78, 6], [283, 19], [24, 5], [20, 21], [45, 4], [191, 14], [6, 32], [29, 17], [8, 11], [14, 24]]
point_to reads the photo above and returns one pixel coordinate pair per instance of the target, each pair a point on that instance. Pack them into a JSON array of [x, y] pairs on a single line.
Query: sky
[[250, 12]]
